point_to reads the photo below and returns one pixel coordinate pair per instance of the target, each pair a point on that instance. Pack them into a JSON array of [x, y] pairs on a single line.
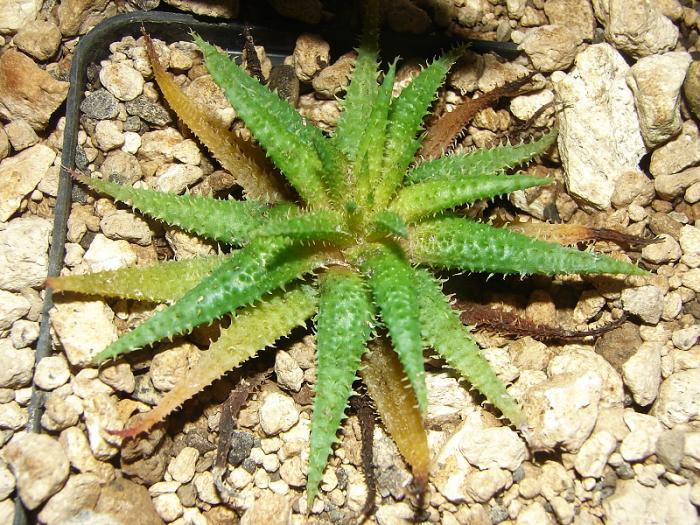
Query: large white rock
[[636, 27], [12, 307], [496, 447], [679, 398], [17, 365], [577, 358], [599, 138], [656, 83], [24, 259], [84, 328], [562, 410], [15, 14], [634, 504], [20, 174], [105, 254], [40, 466], [642, 373]]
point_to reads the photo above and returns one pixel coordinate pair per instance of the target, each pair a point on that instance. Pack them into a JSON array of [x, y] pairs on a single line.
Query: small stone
[[642, 373], [12, 308], [633, 187], [176, 178], [60, 413], [524, 107], [690, 244], [691, 88], [80, 493], [551, 47], [576, 15], [562, 410], [168, 507], [206, 489], [685, 338], [81, 459], [636, 26], [182, 467], [187, 152], [665, 250], [102, 412], [17, 365], [100, 105], [123, 500], [334, 79], [106, 254], [170, 367], [640, 443], [51, 372], [122, 81], [679, 398], [673, 185], [119, 376], [204, 92], [20, 174], [148, 111], [534, 514], [121, 224], [37, 480], [482, 485], [4, 143], [20, 134], [108, 135], [278, 413], [271, 509], [13, 416], [311, 54], [241, 445], [691, 279], [576, 359], [591, 459], [645, 302], [132, 142], [656, 83], [7, 481], [636, 503], [677, 154], [84, 329], [15, 14], [27, 91], [493, 447], [121, 167], [289, 375], [39, 39], [589, 117]]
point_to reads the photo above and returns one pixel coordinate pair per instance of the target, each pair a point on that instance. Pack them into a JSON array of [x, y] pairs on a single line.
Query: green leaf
[[371, 148], [444, 331], [481, 161], [162, 282], [452, 242], [433, 196], [260, 267], [392, 281], [342, 328], [227, 221], [280, 130], [390, 223], [322, 225], [406, 120], [362, 91], [252, 329]]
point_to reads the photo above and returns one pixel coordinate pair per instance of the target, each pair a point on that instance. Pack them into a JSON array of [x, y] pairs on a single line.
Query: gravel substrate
[[615, 420]]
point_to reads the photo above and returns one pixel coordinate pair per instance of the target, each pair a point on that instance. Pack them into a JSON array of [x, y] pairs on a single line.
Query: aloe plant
[[354, 250]]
